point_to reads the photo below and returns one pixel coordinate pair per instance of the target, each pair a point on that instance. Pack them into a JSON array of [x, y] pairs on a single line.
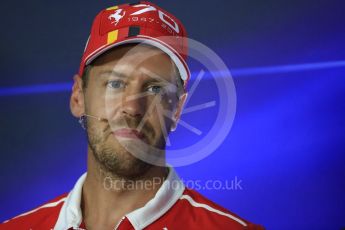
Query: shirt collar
[[170, 191]]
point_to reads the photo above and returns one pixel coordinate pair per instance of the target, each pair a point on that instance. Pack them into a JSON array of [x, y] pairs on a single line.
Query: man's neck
[[106, 198]]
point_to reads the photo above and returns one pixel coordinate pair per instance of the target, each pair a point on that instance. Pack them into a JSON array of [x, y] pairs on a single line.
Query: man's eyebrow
[[153, 80], [108, 73]]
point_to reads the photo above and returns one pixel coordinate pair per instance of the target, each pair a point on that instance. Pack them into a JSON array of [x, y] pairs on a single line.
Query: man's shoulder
[[43, 216], [211, 215]]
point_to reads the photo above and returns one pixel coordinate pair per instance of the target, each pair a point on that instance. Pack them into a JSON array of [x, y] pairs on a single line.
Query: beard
[[113, 155]]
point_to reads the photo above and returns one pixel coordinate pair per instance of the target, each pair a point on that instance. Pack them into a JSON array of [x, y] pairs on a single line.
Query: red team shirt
[[173, 207]]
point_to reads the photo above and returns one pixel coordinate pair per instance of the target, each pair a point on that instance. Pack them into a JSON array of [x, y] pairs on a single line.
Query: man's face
[[134, 88]]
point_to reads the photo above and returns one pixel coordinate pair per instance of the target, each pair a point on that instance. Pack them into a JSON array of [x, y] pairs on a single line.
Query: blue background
[[288, 136]]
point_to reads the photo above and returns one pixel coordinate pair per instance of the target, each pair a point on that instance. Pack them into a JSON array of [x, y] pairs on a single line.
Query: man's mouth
[[129, 133]]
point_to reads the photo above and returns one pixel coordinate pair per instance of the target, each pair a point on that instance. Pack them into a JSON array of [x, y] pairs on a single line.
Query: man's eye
[[116, 84], [155, 89]]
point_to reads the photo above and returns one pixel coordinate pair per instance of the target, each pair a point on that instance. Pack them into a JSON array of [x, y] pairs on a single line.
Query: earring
[[82, 121], [173, 127]]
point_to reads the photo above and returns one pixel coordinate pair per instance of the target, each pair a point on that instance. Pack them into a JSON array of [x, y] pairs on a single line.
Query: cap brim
[[175, 57]]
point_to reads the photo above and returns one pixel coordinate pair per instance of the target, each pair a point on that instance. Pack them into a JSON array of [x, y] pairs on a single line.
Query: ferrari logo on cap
[[116, 16]]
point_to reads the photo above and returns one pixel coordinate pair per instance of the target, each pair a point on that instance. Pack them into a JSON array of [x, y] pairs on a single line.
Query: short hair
[[85, 76]]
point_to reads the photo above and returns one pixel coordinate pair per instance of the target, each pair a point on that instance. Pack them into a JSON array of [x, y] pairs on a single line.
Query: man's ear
[[77, 105], [178, 111]]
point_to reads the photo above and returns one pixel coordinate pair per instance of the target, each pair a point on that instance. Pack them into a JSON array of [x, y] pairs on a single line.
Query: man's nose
[[133, 104]]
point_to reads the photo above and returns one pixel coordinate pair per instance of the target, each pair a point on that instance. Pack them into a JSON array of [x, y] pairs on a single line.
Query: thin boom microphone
[[82, 119], [98, 118]]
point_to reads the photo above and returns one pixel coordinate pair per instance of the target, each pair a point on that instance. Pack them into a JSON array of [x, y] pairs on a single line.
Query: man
[[129, 94]]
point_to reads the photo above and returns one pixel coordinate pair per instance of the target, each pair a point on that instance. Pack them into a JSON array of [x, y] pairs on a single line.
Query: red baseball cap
[[142, 22]]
